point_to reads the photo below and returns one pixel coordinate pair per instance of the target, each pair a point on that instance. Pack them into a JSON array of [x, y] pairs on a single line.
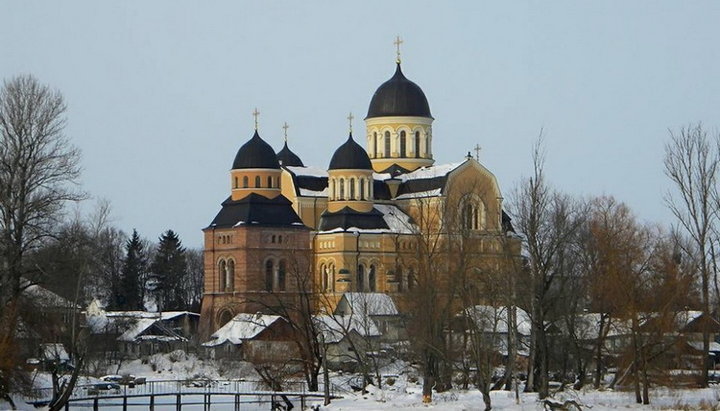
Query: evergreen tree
[[129, 294], [169, 268]]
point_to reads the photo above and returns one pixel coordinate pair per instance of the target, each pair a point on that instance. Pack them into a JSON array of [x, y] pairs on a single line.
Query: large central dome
[[399, 97]]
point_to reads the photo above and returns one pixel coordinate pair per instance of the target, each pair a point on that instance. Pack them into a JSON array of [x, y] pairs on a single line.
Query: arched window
[[360, 280], [403, 141], [230, 276], [270, 184], [222, 266], [375, 145], [417, 144], [371, 279], [245, 182], [235, 182], [324, 275], [411, 279], [224, 318], [399, 278], [341, 187], [387, 144], [269, 272], [362, 188], [332, 189], [257, 181], [281, 276], [352, 188]]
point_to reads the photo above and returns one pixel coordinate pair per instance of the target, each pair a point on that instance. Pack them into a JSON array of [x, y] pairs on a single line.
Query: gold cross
[[350, 119], [477, 152], [285, 127], [397, 43], [256, 113]]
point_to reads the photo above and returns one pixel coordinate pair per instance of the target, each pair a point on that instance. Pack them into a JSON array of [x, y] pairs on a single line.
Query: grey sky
[[160, 94]]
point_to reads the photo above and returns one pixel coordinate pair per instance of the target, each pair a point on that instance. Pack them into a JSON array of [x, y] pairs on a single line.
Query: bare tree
[[38, 170], [691, 163], [549, 221]]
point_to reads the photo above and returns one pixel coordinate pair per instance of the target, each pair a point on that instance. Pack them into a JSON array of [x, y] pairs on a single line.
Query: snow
[[587, 326], [105, 321], [397, 221], [243, 326], [311, 171], [495, 319], [420, 194], [310, 193], [44, 297], [54, 352], [430, 172], [364, 304], [335, 327]]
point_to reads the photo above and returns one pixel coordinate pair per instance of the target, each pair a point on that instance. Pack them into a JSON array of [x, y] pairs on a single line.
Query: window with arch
[[403, 141], [281, 275], [341, 188], [362, 188], [387, 144], [245, 182], [235, 182], [332, 188], [352, 188], [257, 182], [375, 144], [224, 317], [270, 184], [473, 214], [417, 144], [399, 278], [222, 267], [230, 276], [360, 280], [324, 277], [269, 273], [372, 286], [411, 280]]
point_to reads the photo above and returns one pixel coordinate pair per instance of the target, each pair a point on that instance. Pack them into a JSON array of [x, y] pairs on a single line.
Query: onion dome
[[289, 159], [350, 156], [399, 97], [256, 153]]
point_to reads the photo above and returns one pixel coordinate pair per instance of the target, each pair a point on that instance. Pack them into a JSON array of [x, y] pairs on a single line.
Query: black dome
[[287, 158], [399, 97], [350, 156], [256, 153]]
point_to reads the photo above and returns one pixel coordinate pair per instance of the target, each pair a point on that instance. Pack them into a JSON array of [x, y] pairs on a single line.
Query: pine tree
[[169, 267], [130, 296]]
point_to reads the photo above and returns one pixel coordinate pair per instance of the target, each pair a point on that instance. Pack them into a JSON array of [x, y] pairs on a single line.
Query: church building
[[358, 224]]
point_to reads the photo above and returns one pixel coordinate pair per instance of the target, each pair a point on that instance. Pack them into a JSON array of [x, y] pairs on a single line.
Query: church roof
[[256, 153], [350, 156], [347, 218], [255, 209], [287, 158], [399, 97]]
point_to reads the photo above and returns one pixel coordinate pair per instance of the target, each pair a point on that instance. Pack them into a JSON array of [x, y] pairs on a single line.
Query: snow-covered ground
[[401, 390]]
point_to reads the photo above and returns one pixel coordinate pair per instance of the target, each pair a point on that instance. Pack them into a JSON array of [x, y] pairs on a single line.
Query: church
[[359, 224]]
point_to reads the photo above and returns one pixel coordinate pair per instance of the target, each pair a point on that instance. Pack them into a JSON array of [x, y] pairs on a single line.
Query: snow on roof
[[122, 321], [364, 304], [311, 171], [430, 172], [243, 326], [495, 319], [396, 219], [420, 194], [587, 326], [54, 352], [335, 327], [698, 345], [684, 318], [43, 297], [310, 193]]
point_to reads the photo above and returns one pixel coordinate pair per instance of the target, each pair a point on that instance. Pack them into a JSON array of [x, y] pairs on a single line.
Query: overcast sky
[[160, 93]]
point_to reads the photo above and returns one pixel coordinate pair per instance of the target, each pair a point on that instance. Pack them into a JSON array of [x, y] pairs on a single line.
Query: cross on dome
[[398, 41], [477, 152], [350, 118], [255, 114], [285, 128]]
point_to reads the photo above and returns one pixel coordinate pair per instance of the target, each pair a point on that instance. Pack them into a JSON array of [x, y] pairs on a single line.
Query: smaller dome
[[256, 153], [399, 97], [350, 156], [289, 159]]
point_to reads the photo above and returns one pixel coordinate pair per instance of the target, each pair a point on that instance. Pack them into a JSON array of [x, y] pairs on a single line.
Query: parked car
[[102, 386]]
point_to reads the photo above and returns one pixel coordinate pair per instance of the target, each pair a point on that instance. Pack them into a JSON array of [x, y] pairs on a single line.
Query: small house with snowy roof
[[258, 337]]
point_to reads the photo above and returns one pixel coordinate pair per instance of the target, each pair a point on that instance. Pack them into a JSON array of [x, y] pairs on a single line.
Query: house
[[257, 337], [132, 334], [492, 323], [343, 335], [376, 308]]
